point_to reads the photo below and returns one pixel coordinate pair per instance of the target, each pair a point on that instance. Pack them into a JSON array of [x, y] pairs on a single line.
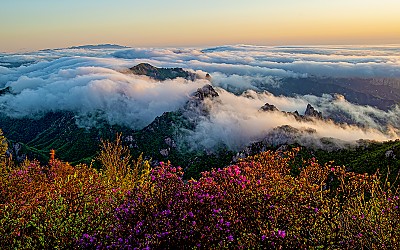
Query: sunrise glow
[[27, 25]]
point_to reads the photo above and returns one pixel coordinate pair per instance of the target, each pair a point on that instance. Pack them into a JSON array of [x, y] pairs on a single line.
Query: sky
[[39, 24]]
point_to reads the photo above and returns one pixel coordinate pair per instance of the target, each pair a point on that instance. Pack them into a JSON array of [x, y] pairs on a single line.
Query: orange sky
[[29, 25]]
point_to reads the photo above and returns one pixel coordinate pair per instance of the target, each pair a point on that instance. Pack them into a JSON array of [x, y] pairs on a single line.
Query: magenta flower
[[281, 233]]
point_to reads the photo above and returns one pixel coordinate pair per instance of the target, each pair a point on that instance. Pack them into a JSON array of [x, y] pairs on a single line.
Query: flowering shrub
[[42, 207], [255, 204], [53, 206]]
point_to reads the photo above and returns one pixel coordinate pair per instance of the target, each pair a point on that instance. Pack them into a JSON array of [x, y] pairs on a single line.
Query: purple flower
[[230, 238], [316, 210], [216, 210], [263, 237], [281, 233]]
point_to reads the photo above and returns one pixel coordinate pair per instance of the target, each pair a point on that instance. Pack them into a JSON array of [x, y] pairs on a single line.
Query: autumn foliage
[[255, 204]]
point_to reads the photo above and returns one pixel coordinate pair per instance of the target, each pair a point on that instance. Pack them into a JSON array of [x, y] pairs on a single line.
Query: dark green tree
[[3, 146]]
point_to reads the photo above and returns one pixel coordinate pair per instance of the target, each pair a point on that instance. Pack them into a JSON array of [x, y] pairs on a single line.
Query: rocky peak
[[269, 107], [312, 112], [207, 91], [196, 107]]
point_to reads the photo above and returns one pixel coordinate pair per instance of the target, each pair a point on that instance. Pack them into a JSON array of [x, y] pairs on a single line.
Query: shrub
[[255, 204]]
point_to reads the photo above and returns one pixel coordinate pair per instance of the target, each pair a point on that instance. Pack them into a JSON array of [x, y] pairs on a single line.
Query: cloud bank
[[236, 121], [90, 82], [70, 84]]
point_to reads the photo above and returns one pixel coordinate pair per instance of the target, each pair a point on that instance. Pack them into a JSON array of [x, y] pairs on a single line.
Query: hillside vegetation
[[257, 203]]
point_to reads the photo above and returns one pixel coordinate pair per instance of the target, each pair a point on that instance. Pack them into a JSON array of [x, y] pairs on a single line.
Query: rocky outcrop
[[6, 90], [205, 92], [269, 107], [196, 107], [312, 112]]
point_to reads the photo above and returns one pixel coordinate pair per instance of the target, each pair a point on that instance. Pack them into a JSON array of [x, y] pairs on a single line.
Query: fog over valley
[[356, 89]]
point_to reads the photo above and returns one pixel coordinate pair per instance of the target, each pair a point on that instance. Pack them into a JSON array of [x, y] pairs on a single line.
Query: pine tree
[[3, 146]]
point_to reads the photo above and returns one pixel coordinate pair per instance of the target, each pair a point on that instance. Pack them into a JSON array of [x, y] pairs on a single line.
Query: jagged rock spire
[[312, 112]]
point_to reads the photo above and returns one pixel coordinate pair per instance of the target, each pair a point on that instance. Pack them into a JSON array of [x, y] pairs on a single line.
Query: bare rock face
[[164, 152], [6, 90], [269, 107], [312, 112], [199, 104], [170, 142], [390, 154], [205, 92]]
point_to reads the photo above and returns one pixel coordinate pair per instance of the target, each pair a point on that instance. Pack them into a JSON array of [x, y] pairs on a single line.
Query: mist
[[236, 121], [93, 83]]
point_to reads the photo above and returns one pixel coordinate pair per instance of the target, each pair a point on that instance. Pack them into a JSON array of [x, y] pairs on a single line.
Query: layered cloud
[[90, 81], [280, 61], [88, 88], [235, 121]]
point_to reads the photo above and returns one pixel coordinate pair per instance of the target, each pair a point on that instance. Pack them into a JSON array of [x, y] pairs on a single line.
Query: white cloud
[[236, 121], [90, 82]]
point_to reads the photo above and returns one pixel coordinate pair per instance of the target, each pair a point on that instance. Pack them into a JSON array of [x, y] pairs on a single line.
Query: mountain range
[[164, 138]]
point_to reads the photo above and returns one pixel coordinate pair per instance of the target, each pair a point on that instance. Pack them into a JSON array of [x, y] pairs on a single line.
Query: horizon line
[[76, 46]]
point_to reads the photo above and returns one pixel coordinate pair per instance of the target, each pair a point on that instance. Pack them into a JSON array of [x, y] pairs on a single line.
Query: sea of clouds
[[92, 82]]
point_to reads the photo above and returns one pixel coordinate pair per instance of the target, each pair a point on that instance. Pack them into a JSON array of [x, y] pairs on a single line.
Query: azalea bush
[[53, 205], [258, 203], [255, 204]]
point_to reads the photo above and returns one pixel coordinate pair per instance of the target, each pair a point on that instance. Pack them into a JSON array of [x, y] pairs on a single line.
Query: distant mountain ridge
[[99, 46], [162, 74]]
